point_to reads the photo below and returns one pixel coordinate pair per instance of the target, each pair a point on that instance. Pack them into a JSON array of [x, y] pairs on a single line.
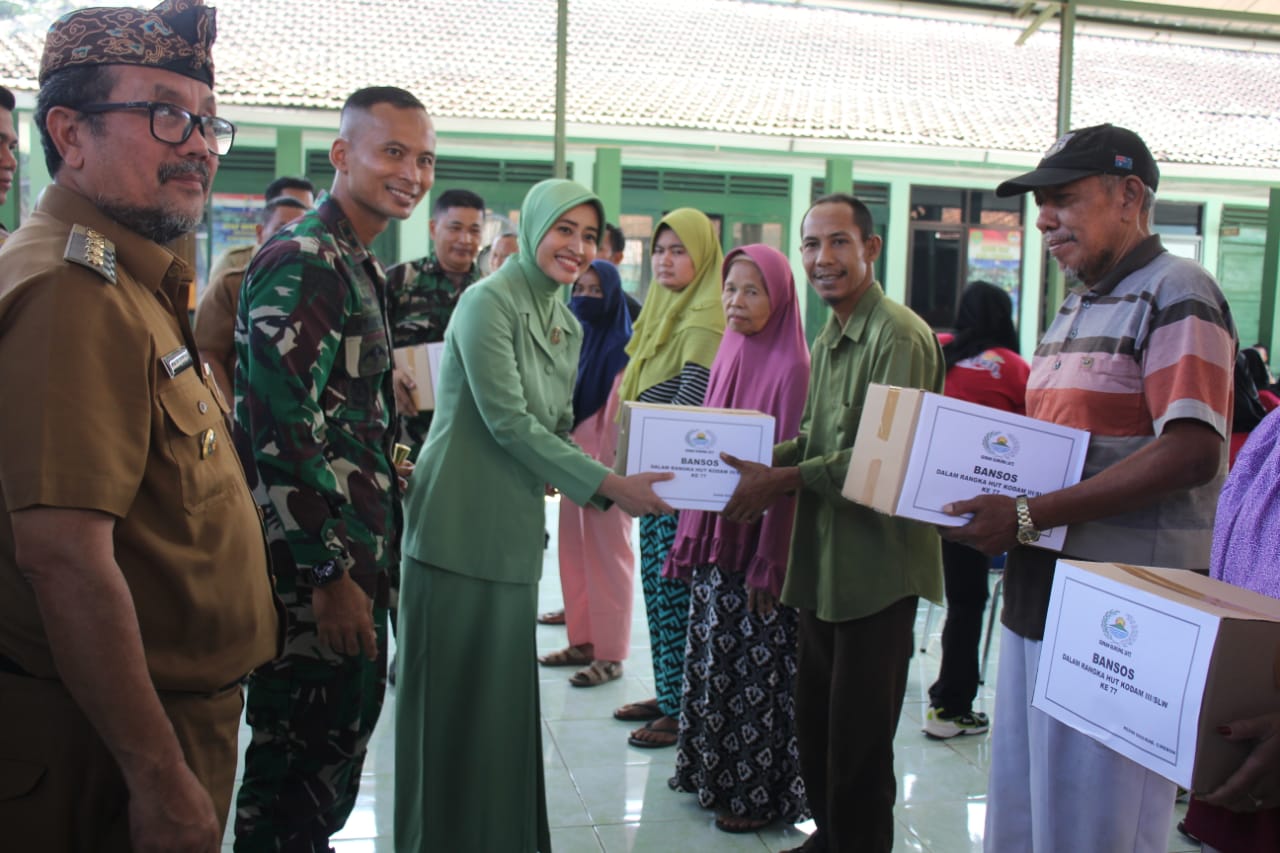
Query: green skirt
[[468, 769]]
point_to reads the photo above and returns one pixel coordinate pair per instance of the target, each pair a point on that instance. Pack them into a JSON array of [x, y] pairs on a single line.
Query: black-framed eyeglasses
[[172, 124]]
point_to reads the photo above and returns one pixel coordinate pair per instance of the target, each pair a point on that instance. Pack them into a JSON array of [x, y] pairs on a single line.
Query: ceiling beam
[[1179, 11], [1045, 14]]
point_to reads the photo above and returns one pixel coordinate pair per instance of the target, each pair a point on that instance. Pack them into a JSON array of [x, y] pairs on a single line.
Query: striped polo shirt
[[1150, 343]]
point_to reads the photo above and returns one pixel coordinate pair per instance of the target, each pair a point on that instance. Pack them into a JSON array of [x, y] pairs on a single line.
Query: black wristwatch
[[325, 573]]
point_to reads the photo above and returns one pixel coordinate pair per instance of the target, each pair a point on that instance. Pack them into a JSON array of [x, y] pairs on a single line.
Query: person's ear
[[338, 154], [68, 134]]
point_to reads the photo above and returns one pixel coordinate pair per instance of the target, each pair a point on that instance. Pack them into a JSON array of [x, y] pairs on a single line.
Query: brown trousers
[[60, 789], [849, 690]]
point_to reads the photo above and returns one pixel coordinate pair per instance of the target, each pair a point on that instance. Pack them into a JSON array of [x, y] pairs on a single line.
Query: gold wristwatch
[[1027, 533]]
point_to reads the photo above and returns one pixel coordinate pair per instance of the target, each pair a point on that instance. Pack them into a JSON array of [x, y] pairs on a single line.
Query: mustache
[[169, 171]]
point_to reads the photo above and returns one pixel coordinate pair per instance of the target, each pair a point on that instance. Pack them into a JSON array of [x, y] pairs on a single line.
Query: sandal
[[656, 734], [638, 712], [551, 617], [569, 656], [599, 672], [740, 824]]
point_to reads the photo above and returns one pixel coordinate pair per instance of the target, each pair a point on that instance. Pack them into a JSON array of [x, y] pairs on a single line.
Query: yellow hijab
[[676, 328]]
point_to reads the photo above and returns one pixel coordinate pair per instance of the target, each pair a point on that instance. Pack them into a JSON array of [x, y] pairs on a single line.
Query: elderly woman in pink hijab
[[737, 745]]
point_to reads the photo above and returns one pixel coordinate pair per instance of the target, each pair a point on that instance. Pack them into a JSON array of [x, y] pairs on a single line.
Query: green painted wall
[[1236, 258]]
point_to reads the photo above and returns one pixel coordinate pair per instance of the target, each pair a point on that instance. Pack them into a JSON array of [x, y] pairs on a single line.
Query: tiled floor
[[604, 795]]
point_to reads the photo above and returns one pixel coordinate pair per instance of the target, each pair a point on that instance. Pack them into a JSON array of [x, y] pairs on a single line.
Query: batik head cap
[[177, 36]]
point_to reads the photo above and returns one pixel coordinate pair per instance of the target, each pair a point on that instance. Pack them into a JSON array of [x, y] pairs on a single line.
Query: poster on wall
[[996, 256], [233, 218]]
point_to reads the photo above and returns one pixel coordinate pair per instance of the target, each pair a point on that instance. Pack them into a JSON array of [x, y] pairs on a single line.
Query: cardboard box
[[688, 441], [917, 451], [422, 363], [1149, 662]]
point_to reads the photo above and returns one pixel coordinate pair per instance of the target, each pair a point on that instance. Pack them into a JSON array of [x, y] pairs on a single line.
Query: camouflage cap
[[177, 36]]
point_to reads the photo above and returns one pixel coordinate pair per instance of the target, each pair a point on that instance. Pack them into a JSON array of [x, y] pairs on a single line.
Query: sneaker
[[943, 726]]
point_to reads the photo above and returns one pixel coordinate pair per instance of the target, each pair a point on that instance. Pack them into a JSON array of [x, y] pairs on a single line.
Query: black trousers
[[965, 571], [849, 689]]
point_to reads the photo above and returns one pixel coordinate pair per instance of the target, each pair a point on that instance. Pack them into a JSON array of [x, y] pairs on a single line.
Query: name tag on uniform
[[175, 362]]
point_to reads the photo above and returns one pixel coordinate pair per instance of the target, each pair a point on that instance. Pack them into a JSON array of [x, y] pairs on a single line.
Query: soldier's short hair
[[275, 204], [456, 198], [279, 185], [369, 97], [72, 88], [7, 101]]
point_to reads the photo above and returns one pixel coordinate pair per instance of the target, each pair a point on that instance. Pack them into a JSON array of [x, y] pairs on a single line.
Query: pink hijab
[[768, 372]]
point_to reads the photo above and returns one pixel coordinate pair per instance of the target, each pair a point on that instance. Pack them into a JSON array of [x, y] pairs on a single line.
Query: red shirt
[[996, 377]]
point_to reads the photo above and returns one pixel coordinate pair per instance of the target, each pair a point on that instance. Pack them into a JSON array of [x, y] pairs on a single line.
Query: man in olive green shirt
[[855, 575]]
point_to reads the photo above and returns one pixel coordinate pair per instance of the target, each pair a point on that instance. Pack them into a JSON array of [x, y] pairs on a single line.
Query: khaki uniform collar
[[148, 262]]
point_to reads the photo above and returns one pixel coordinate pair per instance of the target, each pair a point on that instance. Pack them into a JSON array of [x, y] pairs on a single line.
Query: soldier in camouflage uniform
[[285, 200], [424, 292], [315, 428]]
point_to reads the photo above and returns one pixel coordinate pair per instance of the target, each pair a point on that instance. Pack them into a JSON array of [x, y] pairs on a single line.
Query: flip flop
[[551, 617], [656, 738], [638, 712], [599, 672]]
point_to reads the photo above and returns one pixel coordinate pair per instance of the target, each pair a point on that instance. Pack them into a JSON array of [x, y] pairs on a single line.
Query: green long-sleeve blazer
[[504, 408]]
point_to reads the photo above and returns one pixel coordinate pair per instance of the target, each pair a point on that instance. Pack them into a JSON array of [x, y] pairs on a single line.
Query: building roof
[[745, 67]]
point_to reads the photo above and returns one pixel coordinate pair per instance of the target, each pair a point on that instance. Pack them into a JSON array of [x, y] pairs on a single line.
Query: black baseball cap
[[1103, 149]]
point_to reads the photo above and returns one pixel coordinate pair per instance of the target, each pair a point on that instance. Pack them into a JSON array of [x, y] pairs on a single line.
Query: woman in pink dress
[[597, 565]]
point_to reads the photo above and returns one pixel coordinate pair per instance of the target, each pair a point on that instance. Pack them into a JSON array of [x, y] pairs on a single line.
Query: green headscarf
[[546, 202], [660, 346]]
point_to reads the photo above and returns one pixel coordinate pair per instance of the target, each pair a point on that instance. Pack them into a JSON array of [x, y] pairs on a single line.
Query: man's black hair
[[7, 101], [861, 213], [279, 185], [616, 239], [370, 97], [73, 88], [456, 198], [275, 204]]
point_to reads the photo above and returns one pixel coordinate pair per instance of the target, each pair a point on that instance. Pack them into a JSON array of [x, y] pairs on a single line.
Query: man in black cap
[[1140, 354], [134, 586]]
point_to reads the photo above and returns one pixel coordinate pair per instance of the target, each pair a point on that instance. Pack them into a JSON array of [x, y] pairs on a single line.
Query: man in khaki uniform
[[134, 587], [215, 322]]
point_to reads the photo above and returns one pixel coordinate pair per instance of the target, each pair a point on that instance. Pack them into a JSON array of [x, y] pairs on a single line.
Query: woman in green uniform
[[468, 736]]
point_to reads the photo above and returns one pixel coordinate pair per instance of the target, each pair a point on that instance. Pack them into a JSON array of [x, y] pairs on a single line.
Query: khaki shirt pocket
[[198, 441]]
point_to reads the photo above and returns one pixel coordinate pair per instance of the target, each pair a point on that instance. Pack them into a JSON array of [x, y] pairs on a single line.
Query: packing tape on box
[[886, 416], [1173, 586], [869, 487]]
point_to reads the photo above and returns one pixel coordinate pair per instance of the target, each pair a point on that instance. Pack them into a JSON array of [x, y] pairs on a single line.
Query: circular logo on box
[[700, 439], [999, 443], [1119, 627]]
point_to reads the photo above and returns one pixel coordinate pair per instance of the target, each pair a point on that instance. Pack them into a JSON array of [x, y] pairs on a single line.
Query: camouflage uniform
[[422, 299], [314, 426]]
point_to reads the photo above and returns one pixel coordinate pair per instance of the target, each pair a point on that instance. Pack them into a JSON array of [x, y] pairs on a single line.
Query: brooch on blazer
[[555, 335]]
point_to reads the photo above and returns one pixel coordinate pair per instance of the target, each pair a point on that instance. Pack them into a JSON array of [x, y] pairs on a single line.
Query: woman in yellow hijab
[[672, 347]]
